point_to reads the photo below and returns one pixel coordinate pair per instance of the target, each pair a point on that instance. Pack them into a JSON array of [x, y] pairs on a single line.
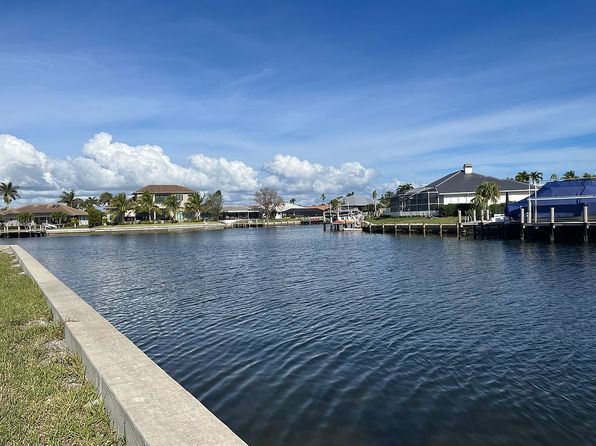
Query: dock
[[18, 232]]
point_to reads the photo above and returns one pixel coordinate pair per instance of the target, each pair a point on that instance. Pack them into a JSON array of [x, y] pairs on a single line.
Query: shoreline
[[144, 403], [169, 227]]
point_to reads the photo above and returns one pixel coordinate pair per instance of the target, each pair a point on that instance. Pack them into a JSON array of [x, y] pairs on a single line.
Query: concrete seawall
[[137, 229], [144, 403]]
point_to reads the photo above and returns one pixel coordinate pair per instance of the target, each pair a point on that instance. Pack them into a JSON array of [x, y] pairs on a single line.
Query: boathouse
[[458, 187]]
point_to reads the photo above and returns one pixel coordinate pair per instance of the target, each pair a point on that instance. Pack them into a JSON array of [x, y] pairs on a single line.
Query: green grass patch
[[44, 397], [406, 220]]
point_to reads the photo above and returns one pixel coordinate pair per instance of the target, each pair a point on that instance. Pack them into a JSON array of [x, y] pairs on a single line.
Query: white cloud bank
[[113, 166]]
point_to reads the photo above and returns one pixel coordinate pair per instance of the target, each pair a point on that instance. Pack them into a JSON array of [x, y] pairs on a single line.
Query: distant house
[[458, 187], [296, 210], [42, 213], [240, 211], [359, 202], [160, 192]]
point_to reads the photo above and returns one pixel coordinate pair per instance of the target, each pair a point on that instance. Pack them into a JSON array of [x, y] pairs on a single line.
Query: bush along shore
[[44, 396]]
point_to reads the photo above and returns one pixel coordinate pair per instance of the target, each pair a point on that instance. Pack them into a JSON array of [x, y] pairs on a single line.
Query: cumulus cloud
[[105, 164], [295, 175]]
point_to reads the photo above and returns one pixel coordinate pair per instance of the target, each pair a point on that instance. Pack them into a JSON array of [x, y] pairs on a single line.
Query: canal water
[[293, 336]]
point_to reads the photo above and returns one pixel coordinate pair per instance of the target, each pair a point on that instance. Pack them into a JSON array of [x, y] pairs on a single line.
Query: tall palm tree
[[523, 177], [569, 175], [68, 198], [145, 204], [172, 205], [487, 193], [554, 177], [374, 197], [323, 198], [194, 205], [119, 205], [536, 177], [105, 198], [9, 192], [90, 202]]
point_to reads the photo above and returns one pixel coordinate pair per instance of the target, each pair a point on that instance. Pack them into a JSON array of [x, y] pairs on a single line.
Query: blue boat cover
[[578, 193]]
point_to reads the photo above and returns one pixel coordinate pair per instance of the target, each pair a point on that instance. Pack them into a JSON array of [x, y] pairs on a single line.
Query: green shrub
[[95, 217]]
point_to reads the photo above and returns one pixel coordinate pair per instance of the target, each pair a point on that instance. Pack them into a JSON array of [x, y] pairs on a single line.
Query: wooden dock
[[18, 232]]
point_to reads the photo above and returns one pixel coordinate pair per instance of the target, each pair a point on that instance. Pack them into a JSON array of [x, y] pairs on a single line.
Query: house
[[42, 213], [296, 210], [458, 187], [241, 211], [359, 202], [160, 192]]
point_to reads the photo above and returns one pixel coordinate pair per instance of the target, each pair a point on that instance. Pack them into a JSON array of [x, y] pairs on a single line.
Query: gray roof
[[358, 200], [468, 182], [240, 208]]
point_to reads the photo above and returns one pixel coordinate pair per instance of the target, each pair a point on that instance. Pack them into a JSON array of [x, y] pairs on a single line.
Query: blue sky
[[409, 92]]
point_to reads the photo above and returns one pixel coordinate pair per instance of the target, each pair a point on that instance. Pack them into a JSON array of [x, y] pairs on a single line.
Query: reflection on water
[[294, 336]]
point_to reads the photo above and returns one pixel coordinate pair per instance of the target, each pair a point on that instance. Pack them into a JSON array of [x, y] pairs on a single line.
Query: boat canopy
[[567, 197]]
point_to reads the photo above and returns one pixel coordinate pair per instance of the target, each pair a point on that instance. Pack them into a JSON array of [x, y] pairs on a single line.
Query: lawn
[[44, 397], [406, 220]]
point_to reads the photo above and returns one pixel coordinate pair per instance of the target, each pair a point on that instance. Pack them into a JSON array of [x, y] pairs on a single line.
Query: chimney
[[467, 168]]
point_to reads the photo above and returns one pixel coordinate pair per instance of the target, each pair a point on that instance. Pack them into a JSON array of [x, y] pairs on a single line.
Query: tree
[[523, 177], [95, 217], [9, 192], [105, 198], [337, 203], [323, 198], [68, 198], [554, 177], [145, 204], [487, 193], [194, 205], [293, 201], [403, 188], [90, 202], [385, 200], [536, 177], [569, 175], [214, 204], [374, 197], [267, 200], [350, 194], [119, 205], [25, 218], [172, 205], [588, 175], [58, 218]]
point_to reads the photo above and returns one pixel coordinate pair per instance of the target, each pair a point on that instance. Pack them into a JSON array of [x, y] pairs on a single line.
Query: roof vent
[[467, 168]]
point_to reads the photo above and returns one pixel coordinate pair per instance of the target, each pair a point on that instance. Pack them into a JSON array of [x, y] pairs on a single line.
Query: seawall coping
[[144, 403]]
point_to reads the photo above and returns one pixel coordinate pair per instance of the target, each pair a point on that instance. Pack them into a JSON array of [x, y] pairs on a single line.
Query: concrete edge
[[144, 403]]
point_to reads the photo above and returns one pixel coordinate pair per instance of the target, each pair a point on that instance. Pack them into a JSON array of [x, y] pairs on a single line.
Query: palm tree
[[68, 198], [403, 188], [554, 177], [9, 192], [569, 175], [172, 204], [145, 204], [523, 177], [536, 177], [25, 218], [119, 205], [90, 202], [105, 198], [487, 193], [292, 201], [588, 175], [374, 197], [323, 198], [194, 205]]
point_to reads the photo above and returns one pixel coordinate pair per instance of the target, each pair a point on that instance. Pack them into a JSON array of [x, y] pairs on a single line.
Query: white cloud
[[292, 174], [105, 164]]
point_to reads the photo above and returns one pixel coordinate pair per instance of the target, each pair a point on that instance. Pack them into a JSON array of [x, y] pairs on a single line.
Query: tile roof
[[468, 182], [50, 208], [164, 189]]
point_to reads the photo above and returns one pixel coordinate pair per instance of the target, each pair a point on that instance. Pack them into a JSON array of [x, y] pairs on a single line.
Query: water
[[293, 336]]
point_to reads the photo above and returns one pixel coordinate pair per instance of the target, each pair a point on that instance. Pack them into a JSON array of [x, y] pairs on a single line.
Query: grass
[[406, 220], [44, 397]]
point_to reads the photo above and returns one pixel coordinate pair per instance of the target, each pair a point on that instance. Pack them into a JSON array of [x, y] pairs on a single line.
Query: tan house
[[42, 213], [161, 191]]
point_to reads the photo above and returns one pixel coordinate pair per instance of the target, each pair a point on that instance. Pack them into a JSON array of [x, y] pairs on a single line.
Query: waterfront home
[[160, 192], [457, 187], [43, 213], [358, 202], [240, 211], [296, 210]]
